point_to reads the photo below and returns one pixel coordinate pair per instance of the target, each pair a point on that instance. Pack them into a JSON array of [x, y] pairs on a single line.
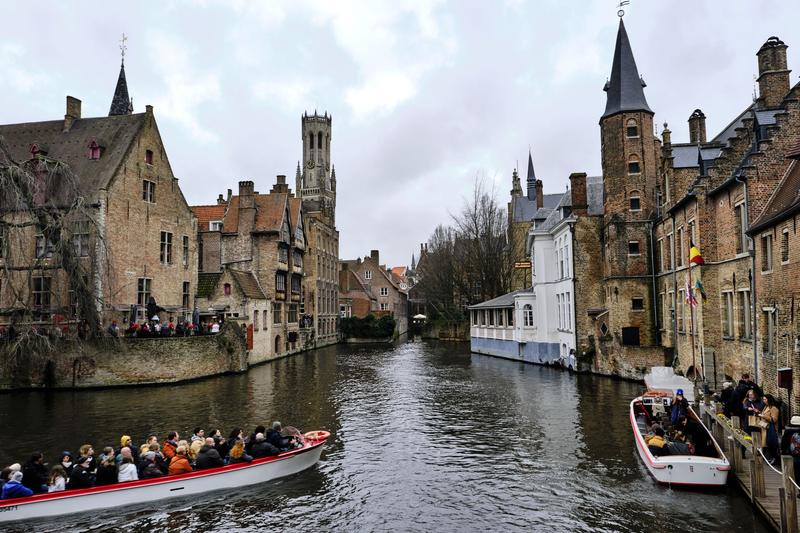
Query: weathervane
[[621, 12], [123, 47]]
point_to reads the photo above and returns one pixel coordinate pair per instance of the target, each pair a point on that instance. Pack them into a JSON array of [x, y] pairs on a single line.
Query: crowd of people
[[756, 411], [154, 328], [151, 459], [676, 433]]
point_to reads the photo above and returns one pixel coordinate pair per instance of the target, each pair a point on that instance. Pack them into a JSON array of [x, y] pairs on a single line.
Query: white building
[[537, 325]]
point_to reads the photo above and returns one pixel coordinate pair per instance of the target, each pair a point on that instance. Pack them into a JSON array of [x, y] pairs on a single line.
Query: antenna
[[620, 11]]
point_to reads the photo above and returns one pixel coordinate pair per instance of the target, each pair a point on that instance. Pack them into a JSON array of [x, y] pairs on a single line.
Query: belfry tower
[[316, 180]]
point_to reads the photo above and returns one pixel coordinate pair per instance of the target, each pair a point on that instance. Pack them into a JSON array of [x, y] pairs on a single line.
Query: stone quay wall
[[128, 361]]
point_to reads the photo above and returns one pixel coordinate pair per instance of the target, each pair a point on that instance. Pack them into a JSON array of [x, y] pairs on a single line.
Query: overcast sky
[[424, 95]]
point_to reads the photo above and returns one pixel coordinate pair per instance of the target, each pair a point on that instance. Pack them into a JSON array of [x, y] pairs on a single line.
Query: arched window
[[264, 319], [255, 320], [527, 315], [310, 141], [633, 165], [631, 129], [635, 201], [319, 140]]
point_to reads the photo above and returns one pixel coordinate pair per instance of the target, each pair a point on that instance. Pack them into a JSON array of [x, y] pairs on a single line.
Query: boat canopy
[[664, 377]]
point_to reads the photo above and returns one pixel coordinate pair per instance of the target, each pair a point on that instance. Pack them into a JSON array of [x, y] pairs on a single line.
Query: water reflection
[[424, 437]]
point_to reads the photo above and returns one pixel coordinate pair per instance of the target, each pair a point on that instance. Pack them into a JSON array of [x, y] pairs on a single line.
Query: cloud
[[22, 80], [291, 94]]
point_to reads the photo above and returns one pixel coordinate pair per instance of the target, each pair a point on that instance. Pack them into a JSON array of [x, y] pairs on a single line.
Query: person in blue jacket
[[680, 406], [14, 488]]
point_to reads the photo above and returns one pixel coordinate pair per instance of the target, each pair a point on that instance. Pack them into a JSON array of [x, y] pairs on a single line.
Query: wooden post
[[758, 481], [782, 509], [738, 459], [753, 487], [787, 465]]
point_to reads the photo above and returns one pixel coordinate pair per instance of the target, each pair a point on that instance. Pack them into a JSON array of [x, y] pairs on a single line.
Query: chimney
[[280, 184], [73, 112], [697, 127], [577, 185], [375, 256], [246, 199], [230, 193], [220, 199], [539, 194], [773, 74], [666, 136]]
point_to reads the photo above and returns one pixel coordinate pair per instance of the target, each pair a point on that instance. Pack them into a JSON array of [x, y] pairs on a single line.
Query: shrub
[[368, 327]]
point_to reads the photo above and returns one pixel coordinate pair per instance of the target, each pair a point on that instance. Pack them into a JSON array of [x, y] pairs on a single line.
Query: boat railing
[[772, 491]]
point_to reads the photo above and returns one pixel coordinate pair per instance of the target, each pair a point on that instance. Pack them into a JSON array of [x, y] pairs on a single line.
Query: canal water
[[425, 437]]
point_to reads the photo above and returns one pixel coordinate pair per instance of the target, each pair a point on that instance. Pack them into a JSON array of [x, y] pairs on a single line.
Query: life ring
[[317, 435]]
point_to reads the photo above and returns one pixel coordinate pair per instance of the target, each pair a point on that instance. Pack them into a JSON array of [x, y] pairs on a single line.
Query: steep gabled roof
[[206, 282], [625, 88], [248, 284], [784, 203], [207, 213], [270, 211], [114, 135]]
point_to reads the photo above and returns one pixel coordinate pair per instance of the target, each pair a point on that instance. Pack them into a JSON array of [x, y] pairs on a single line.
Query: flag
[[690, 299], [694, 255], [699, 287]]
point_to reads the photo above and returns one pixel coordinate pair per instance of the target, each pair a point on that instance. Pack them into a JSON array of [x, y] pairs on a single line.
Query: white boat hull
[[689, 470], [137, 492]]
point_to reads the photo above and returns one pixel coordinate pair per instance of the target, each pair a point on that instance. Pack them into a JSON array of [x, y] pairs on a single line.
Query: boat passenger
[[187, 447], [151, 469], [678, 445], [67, 461], [146, 446], [123, 453], [169, 445], [127, 470], [769, 434], [656, 443], [108, 451], [58, 479], [208, 457], [107, 471], [81, 478], [198, 434], [251, 439], [275, 437], [161, 461], [126, 440], [235, 435], [680, 406], [180, 463], [262, 448], [194, 448], [35, 473], [14, 488], [5, 475], [88, 451], [237, 453]]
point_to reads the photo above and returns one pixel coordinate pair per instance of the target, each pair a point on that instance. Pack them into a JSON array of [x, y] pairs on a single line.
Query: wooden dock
[[770, 488]]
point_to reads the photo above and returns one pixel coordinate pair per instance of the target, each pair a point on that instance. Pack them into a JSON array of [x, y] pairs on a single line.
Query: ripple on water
[[423, 437]]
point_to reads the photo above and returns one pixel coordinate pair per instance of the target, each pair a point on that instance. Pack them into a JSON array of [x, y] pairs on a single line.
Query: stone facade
[[316, 186]]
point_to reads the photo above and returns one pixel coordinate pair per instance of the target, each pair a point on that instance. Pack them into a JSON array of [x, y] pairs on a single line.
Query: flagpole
[[690, 288]]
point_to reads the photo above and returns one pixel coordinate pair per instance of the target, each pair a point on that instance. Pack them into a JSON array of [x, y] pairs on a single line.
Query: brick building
[[140, 237], [376, 284], [316, 186]]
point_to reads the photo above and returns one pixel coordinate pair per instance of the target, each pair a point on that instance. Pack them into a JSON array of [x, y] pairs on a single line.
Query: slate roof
[[270, 209], [730, 130], [594, 195], [206, 213], [625, 88], [121, 103], [525, 209], [506, 300], [206, 281], [248, 283], [114, 134]]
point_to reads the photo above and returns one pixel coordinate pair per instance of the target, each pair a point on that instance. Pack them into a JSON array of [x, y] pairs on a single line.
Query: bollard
[[790, 494], [758, 482]]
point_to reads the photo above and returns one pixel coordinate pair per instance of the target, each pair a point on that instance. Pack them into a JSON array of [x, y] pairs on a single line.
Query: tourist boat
[[149, 490], [708, 470]]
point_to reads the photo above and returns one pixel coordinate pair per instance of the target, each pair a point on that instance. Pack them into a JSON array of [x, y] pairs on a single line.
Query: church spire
[[625, 89], [531, 181], [298, 181], [516, 187], [121, 104]]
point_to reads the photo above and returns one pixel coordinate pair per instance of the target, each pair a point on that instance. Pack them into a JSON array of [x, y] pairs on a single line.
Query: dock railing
[[771, 488]]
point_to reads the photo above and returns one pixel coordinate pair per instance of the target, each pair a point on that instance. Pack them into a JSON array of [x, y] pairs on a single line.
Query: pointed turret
[[625, 88], [413, 262], [516, 187], [121, 104], [531, 181], [298, 179], [333, 177]]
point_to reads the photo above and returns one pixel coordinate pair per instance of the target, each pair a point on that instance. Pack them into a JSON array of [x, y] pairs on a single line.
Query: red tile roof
[[207, 213], [270, 209]]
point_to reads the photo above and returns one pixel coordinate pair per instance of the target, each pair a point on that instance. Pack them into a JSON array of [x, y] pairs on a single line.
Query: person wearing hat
[[35, 473], [14, 488], [680, 406], [81, 477]]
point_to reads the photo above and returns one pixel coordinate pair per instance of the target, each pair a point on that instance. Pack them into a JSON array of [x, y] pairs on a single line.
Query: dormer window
[[633, 165], [148, 157], [631, 129], [94, 150], [215, 225]]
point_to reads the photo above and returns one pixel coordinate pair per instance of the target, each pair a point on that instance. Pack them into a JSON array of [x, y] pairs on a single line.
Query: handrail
[[782, 474]]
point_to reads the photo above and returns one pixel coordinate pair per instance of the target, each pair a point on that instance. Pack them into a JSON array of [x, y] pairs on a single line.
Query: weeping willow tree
[[52, 252]]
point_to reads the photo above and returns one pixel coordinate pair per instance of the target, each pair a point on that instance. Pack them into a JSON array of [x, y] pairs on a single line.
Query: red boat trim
[[157, 481]]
